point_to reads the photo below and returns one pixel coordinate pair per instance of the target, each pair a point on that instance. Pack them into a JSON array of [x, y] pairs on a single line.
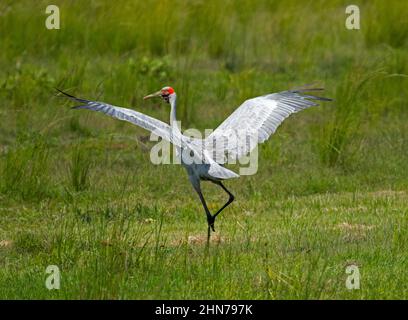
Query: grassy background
[[77, 189]]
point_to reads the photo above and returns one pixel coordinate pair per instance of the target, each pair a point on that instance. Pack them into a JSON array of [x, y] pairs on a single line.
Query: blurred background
[[58, 164]]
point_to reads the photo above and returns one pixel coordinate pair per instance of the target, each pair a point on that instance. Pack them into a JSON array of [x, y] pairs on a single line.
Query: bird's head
[[165, 93]]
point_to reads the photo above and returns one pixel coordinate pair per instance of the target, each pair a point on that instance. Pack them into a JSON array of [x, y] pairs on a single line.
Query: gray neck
[[173, 118]]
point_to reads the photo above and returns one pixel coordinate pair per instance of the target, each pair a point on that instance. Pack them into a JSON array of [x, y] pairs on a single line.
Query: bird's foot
[[211, 221]]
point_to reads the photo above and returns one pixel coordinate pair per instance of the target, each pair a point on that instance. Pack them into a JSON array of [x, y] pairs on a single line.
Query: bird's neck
[[173, 118]]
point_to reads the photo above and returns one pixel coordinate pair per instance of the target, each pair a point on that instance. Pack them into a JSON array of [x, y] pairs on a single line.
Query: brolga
[[250, 124]]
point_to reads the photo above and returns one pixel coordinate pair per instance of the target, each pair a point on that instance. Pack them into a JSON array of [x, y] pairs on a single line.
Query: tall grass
[[351, 110], [331, 182], [79, 168], [386, 25], [24, 170]]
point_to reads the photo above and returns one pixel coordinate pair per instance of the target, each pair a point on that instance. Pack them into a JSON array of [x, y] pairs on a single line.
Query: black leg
[[231, 198], [203, 203], [210, 218]]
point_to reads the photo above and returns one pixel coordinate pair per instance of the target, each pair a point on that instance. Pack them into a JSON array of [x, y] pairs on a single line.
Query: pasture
[[78, 189]]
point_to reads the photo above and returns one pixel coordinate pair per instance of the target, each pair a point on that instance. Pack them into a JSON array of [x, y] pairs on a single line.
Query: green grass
[[78, 190]]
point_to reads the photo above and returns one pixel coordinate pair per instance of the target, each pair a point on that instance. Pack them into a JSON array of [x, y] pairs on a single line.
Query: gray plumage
[[250, 124], [255, 120]]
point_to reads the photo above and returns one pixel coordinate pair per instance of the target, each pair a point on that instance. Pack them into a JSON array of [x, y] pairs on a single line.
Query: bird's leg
[[210, 218], [230, 199]]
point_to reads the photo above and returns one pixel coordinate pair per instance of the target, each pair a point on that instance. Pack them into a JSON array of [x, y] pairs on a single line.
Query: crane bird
[[257, 117]]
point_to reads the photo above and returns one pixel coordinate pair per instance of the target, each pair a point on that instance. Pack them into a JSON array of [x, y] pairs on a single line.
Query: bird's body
[[252, 123], [201, 168]]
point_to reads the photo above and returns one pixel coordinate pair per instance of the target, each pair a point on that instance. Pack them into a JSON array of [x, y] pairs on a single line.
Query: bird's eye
[[165, 97]]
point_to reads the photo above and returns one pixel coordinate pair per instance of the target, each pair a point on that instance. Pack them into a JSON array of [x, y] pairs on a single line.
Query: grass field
[[78, 190]]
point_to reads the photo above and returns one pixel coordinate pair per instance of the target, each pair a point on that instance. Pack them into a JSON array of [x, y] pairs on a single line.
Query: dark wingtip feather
[[71, 96], [317, 98], [79, 107], [306, 89], [301, 91], [325, 99], [65, 94]]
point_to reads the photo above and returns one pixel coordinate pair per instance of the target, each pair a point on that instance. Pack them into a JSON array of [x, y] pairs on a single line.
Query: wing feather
[[151, 124], [255, 121]]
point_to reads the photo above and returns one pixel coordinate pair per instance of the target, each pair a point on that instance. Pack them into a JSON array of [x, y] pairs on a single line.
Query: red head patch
[[167, 90]]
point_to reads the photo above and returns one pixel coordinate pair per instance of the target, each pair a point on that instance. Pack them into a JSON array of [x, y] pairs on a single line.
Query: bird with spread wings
[[250, 124]]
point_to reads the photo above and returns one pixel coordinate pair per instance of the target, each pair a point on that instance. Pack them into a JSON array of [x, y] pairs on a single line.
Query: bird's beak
[[156, 94]]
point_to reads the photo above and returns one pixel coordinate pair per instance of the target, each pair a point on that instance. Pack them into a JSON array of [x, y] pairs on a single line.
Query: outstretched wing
[[254, 122], [158, 127]]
